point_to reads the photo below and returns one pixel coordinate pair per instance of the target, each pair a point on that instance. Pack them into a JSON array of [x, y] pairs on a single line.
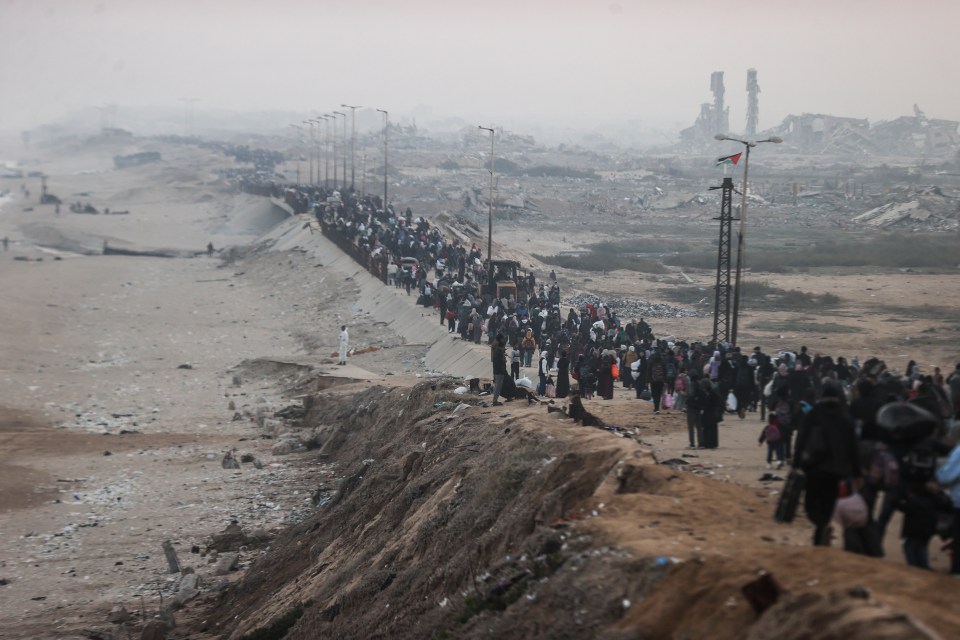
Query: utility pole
[[363, 177], [721, 305], [490, 203], [743, 224], [344, 147], [326, 157], [310, 155], [386, 130], [353, 143], [299, 130]]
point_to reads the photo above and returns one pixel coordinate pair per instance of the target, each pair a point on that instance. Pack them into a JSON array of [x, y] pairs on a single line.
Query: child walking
[[771, 435]]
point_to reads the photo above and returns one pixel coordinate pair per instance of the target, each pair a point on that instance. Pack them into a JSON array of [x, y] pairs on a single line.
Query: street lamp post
[[743, 224], [299, 130], [317, 148], [386, 129], [353, 142], [326, 157], [344, 147], [310, 122], [490, 200]]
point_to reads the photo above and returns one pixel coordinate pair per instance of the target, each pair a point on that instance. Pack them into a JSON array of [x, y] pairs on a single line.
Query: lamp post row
[[325, 118]]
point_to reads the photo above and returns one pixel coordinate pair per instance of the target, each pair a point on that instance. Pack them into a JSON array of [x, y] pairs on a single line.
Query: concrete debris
[[119, 615], [226, 563], [925, 209], [170, 553], [155, 630], [633, 309], [287, 446], [229, 462]]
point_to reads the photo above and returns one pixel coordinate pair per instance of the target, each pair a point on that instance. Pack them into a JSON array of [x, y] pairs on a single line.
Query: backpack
[[884, 470], [671, 369], [771, 434], [783, 414]]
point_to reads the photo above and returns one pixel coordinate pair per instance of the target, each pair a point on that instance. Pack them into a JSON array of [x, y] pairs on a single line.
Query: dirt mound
[[449, 519]]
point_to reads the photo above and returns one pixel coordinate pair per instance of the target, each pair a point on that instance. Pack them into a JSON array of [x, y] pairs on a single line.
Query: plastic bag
[[851, 512], [526, 383], [731, 402], [667, 401], [768, 390]]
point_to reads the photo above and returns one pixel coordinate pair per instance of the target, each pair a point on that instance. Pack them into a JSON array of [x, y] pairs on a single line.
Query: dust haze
[[564, 65]]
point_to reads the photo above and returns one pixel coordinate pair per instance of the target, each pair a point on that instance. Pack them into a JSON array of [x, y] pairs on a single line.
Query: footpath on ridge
[[392, 306]]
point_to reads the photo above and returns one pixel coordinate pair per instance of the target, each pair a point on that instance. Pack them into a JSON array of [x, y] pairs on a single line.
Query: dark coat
[[827, 441]]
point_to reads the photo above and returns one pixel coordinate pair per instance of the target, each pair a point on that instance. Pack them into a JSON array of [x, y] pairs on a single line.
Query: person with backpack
[[529, 345], [680, 386], [658, 376], [948, 476], [771, 435], [782, 410], [828, 453], [670, 360], [626, 366], [515, 357]]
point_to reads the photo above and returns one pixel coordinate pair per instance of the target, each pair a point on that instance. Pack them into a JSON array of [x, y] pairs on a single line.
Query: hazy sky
[[562, 61]]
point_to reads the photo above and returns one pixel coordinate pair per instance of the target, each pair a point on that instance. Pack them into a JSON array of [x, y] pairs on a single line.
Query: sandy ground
[[118, 374]]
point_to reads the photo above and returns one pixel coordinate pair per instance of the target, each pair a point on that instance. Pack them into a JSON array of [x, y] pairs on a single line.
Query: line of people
[[842, 423]]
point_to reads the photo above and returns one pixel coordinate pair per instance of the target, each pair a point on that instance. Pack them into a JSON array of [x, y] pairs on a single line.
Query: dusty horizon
[[563, 64]]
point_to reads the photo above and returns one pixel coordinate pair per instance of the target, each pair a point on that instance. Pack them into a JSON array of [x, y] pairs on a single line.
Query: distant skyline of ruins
[[561, 63]]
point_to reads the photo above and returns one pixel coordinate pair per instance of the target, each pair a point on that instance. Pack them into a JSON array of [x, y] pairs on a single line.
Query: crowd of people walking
[[869, 440]]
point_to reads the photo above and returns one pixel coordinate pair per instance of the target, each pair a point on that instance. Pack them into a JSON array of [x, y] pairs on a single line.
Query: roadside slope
[[517, 523]]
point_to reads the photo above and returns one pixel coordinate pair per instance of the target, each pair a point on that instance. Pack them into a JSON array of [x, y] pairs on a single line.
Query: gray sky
[[557, 61]]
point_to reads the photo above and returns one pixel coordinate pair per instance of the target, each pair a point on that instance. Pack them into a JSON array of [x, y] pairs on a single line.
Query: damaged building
[[915, 136], [714, 117]]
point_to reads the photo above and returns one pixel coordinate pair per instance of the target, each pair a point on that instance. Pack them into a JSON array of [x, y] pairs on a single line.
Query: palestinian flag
[[734, 159]]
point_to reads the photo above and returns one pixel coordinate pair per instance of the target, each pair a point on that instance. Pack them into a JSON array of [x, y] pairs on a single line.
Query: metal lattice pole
[[721, 305]]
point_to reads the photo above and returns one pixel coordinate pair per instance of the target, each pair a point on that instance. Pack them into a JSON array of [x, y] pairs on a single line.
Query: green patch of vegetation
[[599, 262], [758, 294], [802, 326], [925, 311], [642, 245], [279, 627], [894, 251]]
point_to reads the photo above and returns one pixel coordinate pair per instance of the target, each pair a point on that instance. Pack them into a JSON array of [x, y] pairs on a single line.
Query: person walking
[[563, 375], [498, 355], [343, 340], [828, 453], [712, 406], [658, 376], [544, 373]]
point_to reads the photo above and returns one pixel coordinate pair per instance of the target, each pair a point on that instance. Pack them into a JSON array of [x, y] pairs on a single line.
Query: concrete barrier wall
[[387, 304]]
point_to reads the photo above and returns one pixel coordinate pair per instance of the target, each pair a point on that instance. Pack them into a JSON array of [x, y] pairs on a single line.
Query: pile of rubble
[[926, 209], [630, 309]]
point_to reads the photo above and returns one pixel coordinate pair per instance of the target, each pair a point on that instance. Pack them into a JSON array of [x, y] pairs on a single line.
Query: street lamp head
[[720, 136], [773, 139]]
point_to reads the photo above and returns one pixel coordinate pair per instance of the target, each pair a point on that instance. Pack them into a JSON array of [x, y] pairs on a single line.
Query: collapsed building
[[714, 117], [910, 136], [914, 136]]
